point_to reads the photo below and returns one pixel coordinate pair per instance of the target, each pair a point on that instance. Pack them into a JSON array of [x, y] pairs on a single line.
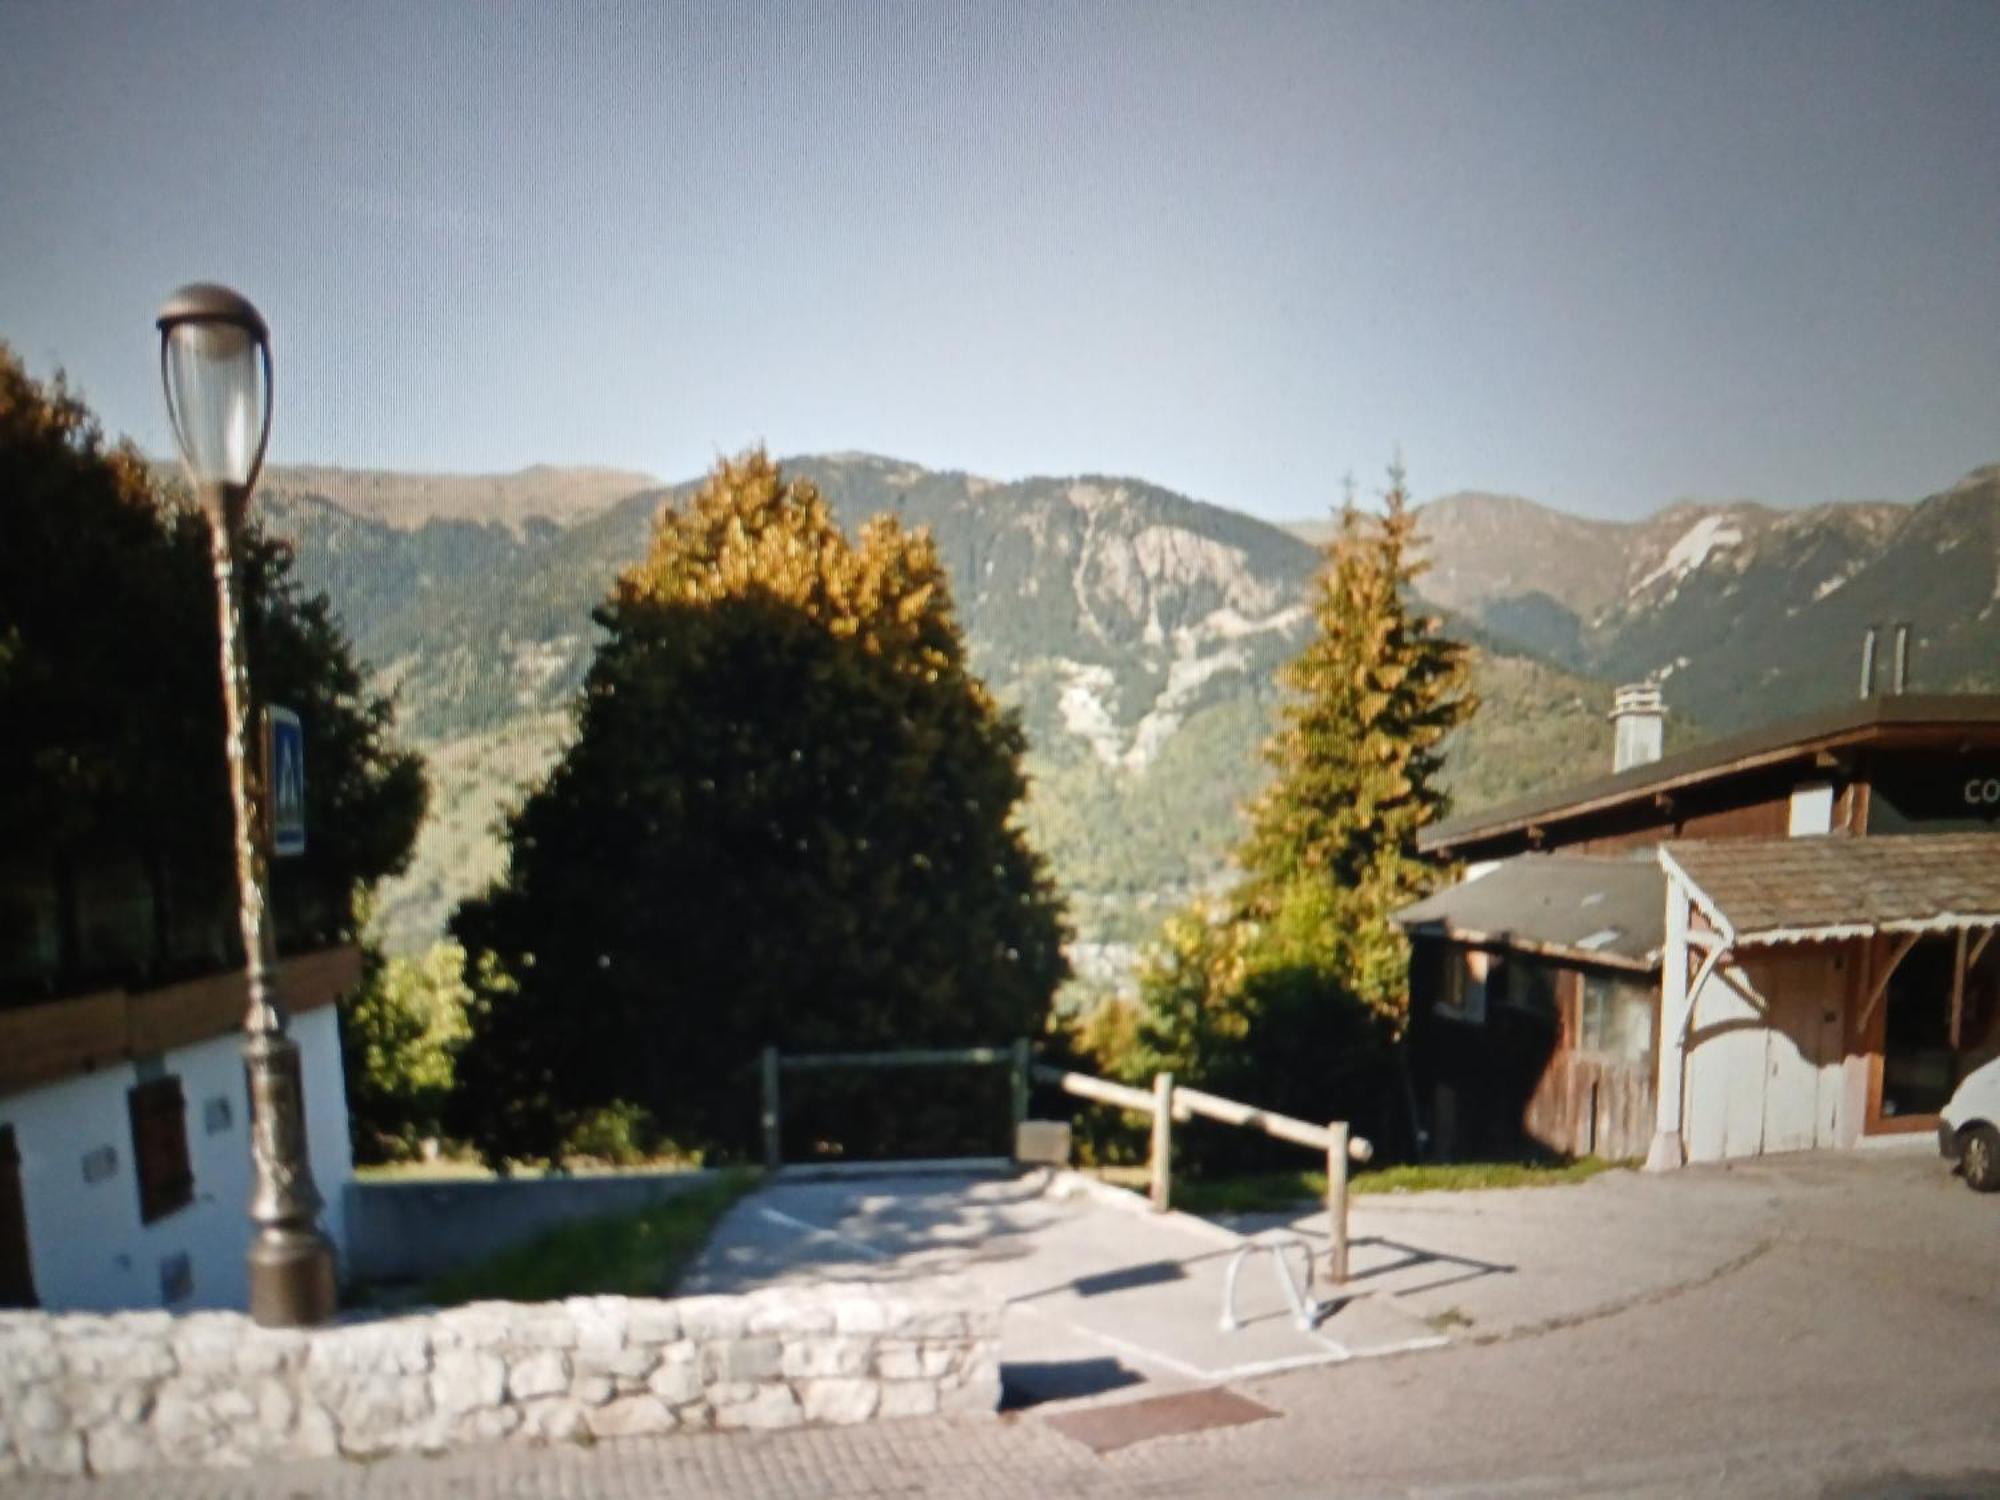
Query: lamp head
[[215, 365]]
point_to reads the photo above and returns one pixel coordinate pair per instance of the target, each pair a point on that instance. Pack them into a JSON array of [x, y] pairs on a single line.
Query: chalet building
[[1770, 942], [124, 1106]]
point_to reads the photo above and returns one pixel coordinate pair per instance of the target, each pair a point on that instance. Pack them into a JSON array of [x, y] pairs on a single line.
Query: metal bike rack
[[1305, 1311]]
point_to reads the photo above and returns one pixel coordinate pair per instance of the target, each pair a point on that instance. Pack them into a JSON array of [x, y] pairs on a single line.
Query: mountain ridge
[[1138, 633]]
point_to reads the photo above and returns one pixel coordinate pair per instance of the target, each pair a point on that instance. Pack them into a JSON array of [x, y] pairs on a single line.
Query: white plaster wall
[[90, 1251], [318, 1035]]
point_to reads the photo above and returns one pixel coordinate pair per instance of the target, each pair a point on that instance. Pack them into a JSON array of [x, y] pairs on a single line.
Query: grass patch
[[633, 1255], [1269, 1191], [471, 1169]]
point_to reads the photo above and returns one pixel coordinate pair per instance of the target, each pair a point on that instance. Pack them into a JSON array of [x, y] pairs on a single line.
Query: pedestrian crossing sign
[[285, 780]]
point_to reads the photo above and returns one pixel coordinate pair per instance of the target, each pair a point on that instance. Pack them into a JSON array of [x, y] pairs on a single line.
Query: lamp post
[[215, 363]]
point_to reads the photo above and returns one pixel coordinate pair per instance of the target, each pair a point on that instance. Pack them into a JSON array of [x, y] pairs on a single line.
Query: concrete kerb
[[927, 1166], [1068, 1183]]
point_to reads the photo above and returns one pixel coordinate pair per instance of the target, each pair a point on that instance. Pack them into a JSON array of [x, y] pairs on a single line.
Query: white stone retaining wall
[[101, 1394]]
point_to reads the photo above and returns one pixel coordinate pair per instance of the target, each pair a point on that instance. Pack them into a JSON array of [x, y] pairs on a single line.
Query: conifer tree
[[787, 818], [1356, 757], [1287, 990]]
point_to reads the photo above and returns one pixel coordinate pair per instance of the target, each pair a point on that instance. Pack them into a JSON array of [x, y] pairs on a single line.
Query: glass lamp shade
[[215, 362]]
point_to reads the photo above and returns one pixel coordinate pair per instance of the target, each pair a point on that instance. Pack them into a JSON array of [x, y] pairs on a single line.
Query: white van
[[1969, 1128]]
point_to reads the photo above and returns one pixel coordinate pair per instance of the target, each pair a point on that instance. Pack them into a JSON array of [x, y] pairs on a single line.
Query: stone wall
[[88, 1393]]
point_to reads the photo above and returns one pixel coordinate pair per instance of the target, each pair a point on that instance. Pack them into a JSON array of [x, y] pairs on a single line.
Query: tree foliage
[[787, 818], [112, 759], [1288, 991], [399, 1032], [1333, 839]]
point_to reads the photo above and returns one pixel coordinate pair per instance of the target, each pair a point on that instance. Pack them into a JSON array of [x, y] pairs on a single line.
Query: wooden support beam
[[1097, 1090], [1972, 958], [1958, 967], [1709, 962], [1882, 981], [1336, 1200]]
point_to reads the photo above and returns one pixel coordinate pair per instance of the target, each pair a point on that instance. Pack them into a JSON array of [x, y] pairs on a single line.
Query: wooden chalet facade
[[1774, 941]]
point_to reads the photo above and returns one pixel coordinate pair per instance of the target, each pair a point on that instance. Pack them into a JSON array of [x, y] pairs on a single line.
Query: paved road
[[1856, 1355]]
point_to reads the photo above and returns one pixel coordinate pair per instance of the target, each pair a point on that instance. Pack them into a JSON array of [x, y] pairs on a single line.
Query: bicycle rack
[[1305, 1311]]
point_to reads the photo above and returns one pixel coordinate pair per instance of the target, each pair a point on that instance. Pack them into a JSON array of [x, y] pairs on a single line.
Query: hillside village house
[[1770, 942], [124, 1107]]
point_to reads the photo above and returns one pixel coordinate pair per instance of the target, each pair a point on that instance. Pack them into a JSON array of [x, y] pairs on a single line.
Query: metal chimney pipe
[[1868, 662], [1902, 655]]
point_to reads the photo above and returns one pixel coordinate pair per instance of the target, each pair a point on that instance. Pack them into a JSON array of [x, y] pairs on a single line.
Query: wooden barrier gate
[[1163, 1104]]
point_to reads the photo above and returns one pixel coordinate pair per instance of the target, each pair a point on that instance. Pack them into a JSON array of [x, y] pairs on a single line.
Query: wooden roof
[[1860, 722], [1815, 889]]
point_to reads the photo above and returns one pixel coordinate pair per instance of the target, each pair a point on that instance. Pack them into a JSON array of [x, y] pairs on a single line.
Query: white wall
[[90, 1251]]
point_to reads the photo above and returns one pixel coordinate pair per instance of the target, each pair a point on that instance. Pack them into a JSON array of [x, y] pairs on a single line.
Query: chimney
[[1868, 663], [1902, 658], [1637, 718]]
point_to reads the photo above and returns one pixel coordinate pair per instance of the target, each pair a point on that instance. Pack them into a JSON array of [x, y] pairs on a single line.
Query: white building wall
[[90, 1251]]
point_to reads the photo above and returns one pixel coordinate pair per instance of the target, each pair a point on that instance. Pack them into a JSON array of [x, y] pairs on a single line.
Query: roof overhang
[[1821, 927], [1648, 963], [1807, 737]]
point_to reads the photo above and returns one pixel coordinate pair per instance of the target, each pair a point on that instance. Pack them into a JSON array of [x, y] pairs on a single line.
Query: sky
[[1606, 256]]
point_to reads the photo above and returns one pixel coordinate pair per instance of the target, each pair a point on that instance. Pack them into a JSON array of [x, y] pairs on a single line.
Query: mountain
[[406, 501], [1740, 610], [1139, 632]]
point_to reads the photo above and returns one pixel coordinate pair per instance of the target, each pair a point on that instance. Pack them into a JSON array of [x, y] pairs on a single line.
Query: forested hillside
[[1138, 633]]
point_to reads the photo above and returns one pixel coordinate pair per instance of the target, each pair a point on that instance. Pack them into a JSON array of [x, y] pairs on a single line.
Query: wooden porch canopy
[[1763, 892]]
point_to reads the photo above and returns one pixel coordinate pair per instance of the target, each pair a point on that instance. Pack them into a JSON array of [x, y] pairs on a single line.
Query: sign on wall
[[1957, 791], [285, 780]]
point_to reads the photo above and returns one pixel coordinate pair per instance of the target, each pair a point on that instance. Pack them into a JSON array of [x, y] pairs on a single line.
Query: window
[[1462, 974], [1616, 1020], [1531, 987], [160, 1149], [17, 1272]]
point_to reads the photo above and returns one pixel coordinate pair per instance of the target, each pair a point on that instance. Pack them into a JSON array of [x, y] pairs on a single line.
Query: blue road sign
[[285, 783]]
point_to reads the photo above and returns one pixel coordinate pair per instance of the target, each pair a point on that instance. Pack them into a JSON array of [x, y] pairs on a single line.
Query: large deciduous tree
[[787, 818], [111, 761]]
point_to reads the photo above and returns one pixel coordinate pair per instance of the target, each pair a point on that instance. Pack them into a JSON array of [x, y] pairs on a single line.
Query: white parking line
[[815, 1232], [1337, 1353], [1123, 1346]]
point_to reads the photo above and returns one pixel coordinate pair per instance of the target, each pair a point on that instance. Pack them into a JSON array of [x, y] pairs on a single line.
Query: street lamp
[[215, 363]]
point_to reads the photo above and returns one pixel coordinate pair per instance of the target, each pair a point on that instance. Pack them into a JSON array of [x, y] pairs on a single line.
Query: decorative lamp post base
[[291, 1261], [291, 1277]]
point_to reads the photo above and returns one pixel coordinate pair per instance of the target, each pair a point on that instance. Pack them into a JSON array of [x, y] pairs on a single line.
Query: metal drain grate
[[1105, 1428]]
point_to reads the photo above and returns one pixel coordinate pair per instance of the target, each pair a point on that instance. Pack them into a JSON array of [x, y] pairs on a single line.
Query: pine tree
[[1356, 758], [787, 818], [1288, 990]]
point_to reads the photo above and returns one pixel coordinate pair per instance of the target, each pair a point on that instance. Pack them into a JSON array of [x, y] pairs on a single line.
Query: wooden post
[[773, 1153], [1958, 993], [1163, 1142], [1336, 1200], [1022, 1062]]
